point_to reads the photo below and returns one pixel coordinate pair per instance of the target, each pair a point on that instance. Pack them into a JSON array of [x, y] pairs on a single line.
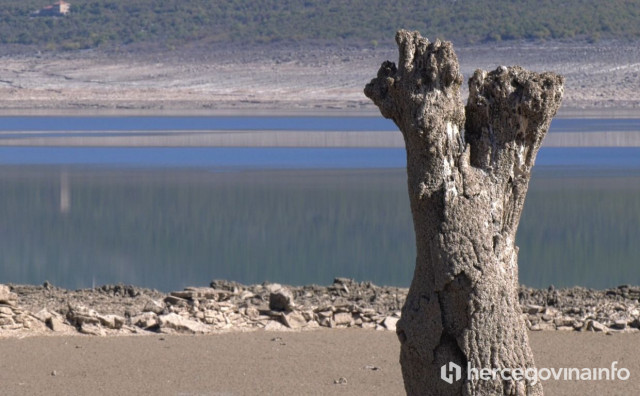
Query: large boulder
[[280, 298]]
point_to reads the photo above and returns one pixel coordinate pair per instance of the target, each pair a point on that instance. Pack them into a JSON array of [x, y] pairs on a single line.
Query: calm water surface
[[171, 217], [70, 124]]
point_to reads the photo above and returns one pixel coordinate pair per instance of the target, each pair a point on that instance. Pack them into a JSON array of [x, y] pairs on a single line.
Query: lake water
[[172, 217], [75, 124]]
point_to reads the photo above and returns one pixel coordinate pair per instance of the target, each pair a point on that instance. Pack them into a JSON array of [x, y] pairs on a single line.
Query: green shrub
[[114, 22]]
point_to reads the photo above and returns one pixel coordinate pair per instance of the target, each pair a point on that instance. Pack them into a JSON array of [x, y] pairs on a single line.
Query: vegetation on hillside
[[170, 23]]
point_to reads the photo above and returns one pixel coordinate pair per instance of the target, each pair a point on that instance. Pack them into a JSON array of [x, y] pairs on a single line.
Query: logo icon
[[450, 372]]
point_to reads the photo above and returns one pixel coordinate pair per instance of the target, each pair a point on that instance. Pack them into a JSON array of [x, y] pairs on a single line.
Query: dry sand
[[601, 79], [268, 363]]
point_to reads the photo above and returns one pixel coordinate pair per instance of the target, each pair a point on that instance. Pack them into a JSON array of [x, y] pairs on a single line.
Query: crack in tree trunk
[[467, 191]]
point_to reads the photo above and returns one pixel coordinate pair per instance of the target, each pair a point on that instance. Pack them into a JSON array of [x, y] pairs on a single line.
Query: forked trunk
[[467, 190]]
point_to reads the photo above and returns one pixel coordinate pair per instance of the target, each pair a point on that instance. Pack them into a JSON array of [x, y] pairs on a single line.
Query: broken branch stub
[[467, 192]]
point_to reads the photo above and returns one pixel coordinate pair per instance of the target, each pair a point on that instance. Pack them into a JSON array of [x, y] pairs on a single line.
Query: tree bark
[[466, 192]]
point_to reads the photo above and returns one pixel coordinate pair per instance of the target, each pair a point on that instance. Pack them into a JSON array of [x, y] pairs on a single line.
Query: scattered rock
[[390, 323], [43, 315], [340, 381], [593, 325], [111, 321], [252, 313], [5, 310], [53, 320], [92, 329], [280, 298], [121, 290], [81, 315], [145, 320], [179, 324], [122, 309], [230, 286], [7, 296], [563, 321], [542, 326], [154, 306], [173, 300], [619, 324], [565, 328], [207, 293], [275, 326], [532, 309], [294, 320], [343, 284], [343, 319], [56, 324]]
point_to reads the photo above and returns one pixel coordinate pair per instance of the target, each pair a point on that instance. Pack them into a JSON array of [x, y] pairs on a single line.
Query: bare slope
[[288, 79]]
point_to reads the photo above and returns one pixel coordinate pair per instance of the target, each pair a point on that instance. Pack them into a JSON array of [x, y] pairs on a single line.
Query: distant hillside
[[172, 23]]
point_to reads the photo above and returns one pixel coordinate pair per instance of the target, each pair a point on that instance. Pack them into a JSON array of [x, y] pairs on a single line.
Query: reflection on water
[[251, 122], [245, 122], [171, 228], [581, 228]]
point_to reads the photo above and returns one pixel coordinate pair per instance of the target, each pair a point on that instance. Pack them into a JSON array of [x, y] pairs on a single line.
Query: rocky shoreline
[[229, 306]]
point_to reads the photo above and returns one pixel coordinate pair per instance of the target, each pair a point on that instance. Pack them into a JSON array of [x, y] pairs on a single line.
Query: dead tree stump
[[466, 191]]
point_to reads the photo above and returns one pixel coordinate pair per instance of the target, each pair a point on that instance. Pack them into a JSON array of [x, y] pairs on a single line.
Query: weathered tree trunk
[[467, 193]]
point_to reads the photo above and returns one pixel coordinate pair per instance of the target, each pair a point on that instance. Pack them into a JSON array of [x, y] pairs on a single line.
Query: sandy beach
[[320, 362]]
